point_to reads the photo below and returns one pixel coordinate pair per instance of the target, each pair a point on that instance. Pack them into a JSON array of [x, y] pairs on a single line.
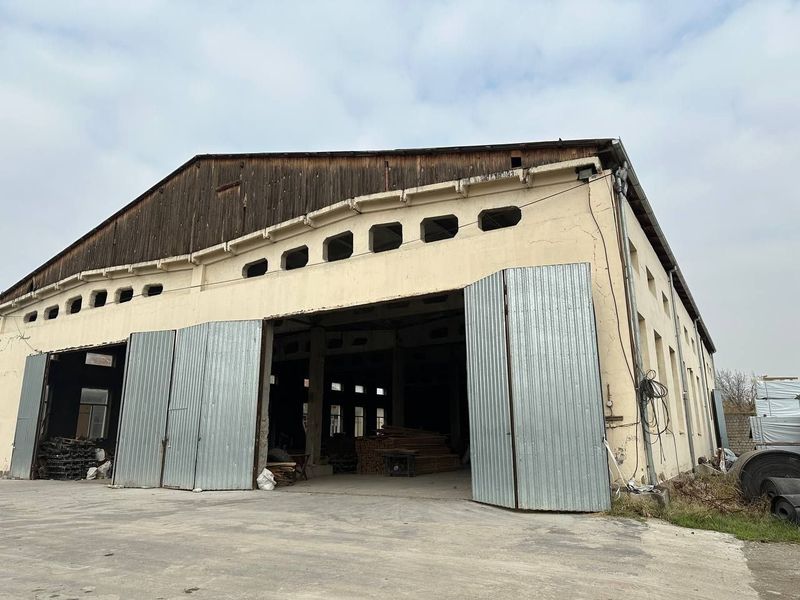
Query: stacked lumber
[[66, 458], [432, 455], [284, 472]]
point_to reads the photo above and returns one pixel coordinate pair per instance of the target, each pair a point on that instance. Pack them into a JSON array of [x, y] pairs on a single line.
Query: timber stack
[[429, 447]]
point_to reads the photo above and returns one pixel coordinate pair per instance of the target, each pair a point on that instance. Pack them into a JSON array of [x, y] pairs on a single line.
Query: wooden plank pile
[[430, 449], [284, 472], [65, 458]]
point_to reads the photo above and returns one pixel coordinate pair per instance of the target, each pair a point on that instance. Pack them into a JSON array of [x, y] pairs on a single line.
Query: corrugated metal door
[[183, 416], [491, 453], [145, 399], [555, 389], [226, 443], [30, 406]]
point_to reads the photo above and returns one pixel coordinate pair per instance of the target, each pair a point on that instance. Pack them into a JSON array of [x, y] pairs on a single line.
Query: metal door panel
[[226, 443], [30, 406], [488, 393], [145, 400], [185, 405], [555, 389]]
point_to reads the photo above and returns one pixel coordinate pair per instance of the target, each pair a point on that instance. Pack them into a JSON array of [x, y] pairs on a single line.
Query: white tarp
[[774, 432], [778, 389], [777, 407]]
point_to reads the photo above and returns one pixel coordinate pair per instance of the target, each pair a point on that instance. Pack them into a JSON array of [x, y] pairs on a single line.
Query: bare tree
[[737, 388]]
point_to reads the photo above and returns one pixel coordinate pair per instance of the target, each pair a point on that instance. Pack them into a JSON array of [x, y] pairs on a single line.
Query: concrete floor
[[70, 540]]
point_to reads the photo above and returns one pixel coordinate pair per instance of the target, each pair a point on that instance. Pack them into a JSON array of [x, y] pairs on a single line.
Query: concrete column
[[316, 390], [263, 406], [398, 385]]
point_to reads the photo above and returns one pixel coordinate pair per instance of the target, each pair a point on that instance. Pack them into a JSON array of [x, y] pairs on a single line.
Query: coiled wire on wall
[[652, 393]]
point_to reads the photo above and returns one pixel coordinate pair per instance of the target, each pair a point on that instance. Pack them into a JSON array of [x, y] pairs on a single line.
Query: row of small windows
[[384, 237], [97, 299]]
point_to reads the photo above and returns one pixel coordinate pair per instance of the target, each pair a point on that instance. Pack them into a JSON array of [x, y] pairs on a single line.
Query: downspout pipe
[[702, 359], [620, 190], [682, 367]]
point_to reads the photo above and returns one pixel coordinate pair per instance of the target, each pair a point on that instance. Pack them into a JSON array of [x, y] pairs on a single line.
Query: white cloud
[[101, 100]]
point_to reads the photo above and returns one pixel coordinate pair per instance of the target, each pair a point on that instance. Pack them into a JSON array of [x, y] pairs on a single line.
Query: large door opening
[[69, 412], [384, 366]]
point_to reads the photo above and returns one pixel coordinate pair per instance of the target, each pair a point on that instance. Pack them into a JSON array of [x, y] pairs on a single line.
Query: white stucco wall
[[556, 227]]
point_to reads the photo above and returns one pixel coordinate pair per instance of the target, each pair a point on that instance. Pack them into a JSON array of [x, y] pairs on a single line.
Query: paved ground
[[72, 540]]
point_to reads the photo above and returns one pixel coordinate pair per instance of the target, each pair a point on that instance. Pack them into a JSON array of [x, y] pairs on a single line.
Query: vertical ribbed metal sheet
[[145, 399], [226, 446], [555, 389], [183, 416], [30, 406], [719, 418], [487, 384]]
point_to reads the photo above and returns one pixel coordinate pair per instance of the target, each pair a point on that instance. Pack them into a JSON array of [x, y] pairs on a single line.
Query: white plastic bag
[[102, 470], [266, 481], [91, 473]]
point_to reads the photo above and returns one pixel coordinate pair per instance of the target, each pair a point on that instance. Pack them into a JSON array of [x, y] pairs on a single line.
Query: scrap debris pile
[[431, 453], [70, 459]]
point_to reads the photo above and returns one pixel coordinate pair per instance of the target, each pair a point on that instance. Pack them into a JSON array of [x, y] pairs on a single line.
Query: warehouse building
[[519, 299]]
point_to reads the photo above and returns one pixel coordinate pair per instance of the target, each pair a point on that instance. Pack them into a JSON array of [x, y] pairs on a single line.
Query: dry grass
[[711, 502]]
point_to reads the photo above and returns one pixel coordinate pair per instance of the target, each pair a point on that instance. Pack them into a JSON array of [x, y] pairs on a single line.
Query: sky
[[99, 100]]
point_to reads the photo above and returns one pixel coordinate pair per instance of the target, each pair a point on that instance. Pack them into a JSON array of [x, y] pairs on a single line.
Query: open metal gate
[[142, 424], [30, 407], [534, 329]]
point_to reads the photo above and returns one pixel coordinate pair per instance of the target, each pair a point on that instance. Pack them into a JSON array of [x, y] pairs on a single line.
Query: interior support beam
[[268, 334], [316, 389]]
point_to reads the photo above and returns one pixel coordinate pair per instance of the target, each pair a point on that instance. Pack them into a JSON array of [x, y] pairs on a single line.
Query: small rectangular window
[[51, 313], [338, 247], [634, 258], [359, 422], [336, 387], [154, 289], [295, 258], [359, 389], [651, 281], [305, 415], [74, 305], [499, 218], [386, 236], [380, 392], [92, 414], [665, 304], [516, 162], [273, 380], [434, 229], [306, 382], [380, 418], [30, 317], [255, 269], [336, 419], [99, 298], [99, 360], [124, 295]]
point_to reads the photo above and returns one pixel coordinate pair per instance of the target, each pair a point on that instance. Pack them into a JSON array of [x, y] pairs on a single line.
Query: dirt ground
[[366, 538]]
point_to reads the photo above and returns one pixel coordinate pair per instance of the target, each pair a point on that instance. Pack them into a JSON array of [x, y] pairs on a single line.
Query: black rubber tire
[[752, 468], [780, 486], [785, 510]]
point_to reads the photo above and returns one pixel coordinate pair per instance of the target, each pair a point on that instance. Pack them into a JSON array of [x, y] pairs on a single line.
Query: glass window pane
[[97, 427], [99, 360], [84, 418], [94, 396]]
